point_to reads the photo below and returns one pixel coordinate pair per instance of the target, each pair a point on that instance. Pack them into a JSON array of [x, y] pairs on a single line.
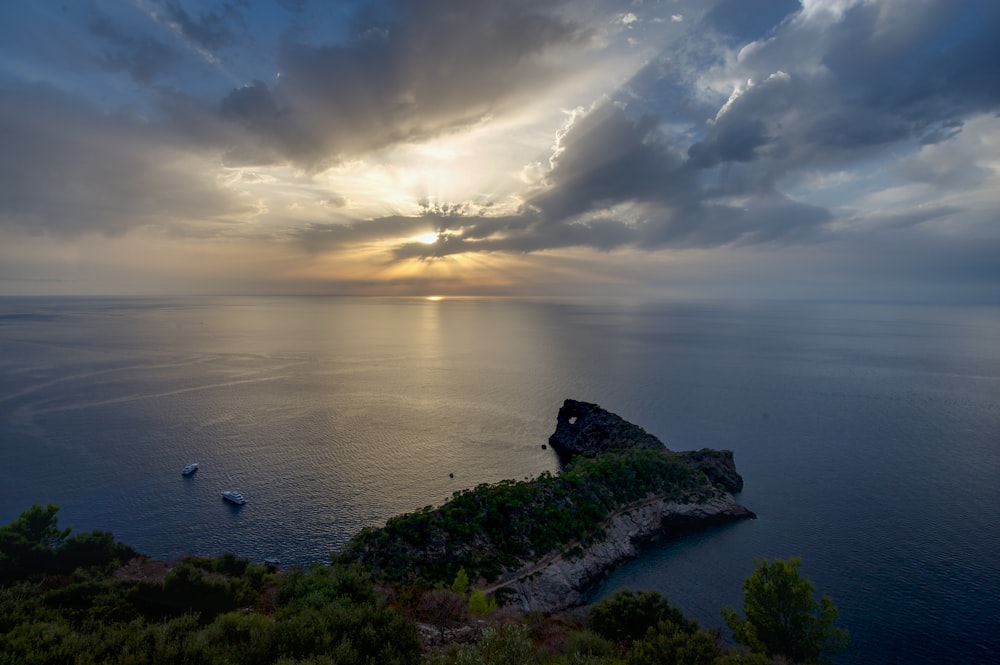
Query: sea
[[868, 434]]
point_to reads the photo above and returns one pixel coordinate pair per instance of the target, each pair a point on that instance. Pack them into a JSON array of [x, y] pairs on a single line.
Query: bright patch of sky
[[516, 147]]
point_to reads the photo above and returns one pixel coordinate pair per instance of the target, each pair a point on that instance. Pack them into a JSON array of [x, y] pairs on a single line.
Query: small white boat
[[189, 469], [232, 496]]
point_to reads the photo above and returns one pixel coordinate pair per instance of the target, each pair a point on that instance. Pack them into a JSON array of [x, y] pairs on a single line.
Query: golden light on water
[[435, 298]]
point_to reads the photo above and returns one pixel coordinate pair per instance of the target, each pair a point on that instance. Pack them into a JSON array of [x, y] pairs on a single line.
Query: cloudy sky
[[688, 148]]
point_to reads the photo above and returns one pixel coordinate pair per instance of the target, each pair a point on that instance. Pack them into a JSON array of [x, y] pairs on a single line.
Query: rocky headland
[[542, 545], [583, 428]]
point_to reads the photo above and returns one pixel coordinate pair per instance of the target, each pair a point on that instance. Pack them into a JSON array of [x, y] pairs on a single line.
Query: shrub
[[627, 616]]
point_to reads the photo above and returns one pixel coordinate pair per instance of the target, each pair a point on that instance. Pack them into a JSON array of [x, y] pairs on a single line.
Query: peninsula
[[542, 544]]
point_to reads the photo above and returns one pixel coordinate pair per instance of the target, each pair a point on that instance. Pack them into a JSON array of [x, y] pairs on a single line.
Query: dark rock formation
[[583, 428], [718, 465]]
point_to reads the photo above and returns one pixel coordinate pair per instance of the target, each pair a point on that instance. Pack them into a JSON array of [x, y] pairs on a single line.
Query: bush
[[627, 616], [337, 611], [500, 645], [587, 643], [670, 644]]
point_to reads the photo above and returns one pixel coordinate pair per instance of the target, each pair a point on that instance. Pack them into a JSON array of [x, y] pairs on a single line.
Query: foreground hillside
[[125, 609]]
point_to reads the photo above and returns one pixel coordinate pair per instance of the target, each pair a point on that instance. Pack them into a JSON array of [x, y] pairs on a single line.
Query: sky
[[672, 148]]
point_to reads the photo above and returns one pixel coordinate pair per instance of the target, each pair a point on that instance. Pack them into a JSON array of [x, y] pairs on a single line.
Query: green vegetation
[[500, 645], [33, 544], [627, 616], [624, 629], [86, 599], [223, 611], [494, 528], [478, 602], [783, 618]]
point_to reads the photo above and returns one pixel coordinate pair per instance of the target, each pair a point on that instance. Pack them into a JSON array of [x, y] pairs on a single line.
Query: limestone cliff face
[[583, 428], [562, 580]]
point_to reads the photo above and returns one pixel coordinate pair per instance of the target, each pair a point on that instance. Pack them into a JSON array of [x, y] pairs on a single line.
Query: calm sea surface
[[868, 435]]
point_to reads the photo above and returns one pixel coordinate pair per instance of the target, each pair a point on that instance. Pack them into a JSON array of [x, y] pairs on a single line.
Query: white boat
[[232, 496], [189, 469]]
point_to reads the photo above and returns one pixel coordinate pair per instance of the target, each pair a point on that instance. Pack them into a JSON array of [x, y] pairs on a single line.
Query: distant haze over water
[[867, 434]]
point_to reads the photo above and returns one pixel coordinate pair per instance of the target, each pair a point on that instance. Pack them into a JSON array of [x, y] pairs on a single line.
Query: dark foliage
[[33, 544], [205, 611], [493, 528], [627, 616]]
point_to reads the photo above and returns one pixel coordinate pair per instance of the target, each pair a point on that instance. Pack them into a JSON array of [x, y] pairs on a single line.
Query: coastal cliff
[[562, 579], [542, 544]]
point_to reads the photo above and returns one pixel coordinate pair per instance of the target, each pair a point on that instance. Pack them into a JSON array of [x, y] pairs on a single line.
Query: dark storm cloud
[[606, 158], [889, 74], [413, 70], [68, 169], [271, 134], [938, 62]]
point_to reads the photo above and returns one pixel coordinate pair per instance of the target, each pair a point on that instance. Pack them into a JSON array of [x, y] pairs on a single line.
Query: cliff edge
[[562, 579]]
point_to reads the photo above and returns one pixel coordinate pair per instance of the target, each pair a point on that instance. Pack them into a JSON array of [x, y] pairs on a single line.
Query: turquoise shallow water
[[867, 434]]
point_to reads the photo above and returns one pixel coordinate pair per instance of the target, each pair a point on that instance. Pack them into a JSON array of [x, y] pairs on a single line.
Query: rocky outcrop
[[561, 580], [583, 428], [718, 465]]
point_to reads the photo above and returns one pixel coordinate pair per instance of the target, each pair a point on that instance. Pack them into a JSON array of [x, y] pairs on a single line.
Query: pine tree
[[783, 617]]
